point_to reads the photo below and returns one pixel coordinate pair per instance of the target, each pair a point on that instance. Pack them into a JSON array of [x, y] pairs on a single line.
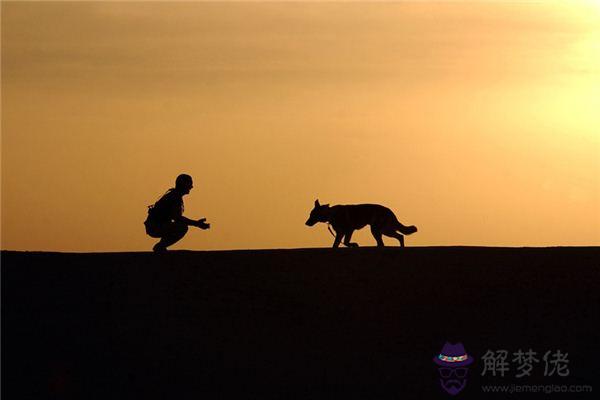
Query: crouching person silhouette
[[165, 218]]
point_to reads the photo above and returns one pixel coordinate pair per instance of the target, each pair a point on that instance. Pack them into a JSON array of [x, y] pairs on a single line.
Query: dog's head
[[320, 213]]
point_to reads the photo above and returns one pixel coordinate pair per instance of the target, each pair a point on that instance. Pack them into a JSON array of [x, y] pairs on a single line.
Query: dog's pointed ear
[[317, 203], [326, 205]]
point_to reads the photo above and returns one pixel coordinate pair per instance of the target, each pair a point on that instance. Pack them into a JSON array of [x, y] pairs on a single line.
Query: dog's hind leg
[[394, 234], [377, 235]]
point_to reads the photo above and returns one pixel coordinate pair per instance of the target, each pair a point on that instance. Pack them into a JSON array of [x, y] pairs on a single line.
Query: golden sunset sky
[[479, 122]]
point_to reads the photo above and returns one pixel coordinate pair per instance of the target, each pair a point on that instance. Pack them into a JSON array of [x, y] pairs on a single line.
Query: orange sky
[[477, 122]]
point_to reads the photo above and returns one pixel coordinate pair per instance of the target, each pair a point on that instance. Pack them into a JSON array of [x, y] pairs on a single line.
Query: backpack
[[158, 214]]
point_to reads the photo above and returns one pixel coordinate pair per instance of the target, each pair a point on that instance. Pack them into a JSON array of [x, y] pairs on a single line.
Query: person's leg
[[172, 233]]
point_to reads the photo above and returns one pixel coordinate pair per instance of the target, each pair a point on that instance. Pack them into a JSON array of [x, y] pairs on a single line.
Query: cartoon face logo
[[453, 362]]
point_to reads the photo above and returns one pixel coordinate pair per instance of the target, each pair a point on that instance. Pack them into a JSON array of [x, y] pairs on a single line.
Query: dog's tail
[[406, 230]]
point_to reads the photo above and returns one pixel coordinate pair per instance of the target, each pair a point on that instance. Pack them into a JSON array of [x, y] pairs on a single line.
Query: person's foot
[[158, 248]]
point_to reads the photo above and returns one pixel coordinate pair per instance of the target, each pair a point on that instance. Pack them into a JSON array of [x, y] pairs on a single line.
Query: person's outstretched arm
[[201, 223]]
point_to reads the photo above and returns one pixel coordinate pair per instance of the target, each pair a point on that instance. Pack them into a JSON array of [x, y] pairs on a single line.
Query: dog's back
[[357, 216]]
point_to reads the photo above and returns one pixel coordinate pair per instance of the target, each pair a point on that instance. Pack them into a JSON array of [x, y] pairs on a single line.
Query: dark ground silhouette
[[314, 323]]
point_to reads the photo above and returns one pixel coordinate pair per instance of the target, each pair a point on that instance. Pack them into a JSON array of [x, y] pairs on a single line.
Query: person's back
[[165, 218], [166, 209]]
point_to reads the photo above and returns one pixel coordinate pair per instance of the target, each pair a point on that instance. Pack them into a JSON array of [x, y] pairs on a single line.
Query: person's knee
[[181, 229]]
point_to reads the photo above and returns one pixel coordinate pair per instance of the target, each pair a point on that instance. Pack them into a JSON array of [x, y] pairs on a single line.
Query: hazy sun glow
[[476, 121]]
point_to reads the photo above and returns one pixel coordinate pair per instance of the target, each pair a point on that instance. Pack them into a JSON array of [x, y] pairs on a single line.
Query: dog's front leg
[[338, 239], [347, 239]]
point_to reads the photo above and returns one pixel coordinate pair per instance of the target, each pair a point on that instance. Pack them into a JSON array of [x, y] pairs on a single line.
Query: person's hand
[[202, 224]]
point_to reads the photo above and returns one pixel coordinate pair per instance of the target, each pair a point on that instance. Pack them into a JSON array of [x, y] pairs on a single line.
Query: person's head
[[184, 183]]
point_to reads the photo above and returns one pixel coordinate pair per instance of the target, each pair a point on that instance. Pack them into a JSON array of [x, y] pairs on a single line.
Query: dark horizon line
[[388, 248]]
